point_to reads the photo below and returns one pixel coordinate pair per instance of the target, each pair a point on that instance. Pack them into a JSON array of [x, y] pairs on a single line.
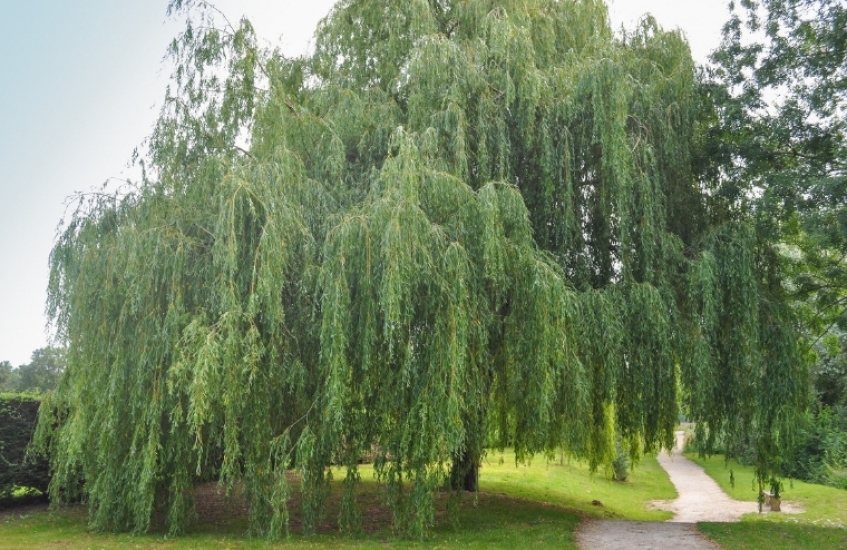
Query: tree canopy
[[8, 376], [778, 82], [455, 225], [783, 71], [40, 375]]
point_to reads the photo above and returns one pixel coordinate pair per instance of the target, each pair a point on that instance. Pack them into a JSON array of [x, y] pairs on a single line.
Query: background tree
[[42, 372], [780, 86], [783, 136], [457, 224], [7, 376]]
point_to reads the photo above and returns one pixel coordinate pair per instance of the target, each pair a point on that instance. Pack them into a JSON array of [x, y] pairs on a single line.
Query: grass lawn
[[823, 524], [752, 535], [495, 523], [571, 485], [535, 506]]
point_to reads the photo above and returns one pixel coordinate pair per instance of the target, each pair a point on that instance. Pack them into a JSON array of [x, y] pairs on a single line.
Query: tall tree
[[782, 69], [7, 376], [42, 372], [456, 224]]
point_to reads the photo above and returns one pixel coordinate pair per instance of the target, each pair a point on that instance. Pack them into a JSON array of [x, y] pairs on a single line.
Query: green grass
[[822, 524], [495, 523], [571, 485], [758, 535], [822, 505], [535, 506]]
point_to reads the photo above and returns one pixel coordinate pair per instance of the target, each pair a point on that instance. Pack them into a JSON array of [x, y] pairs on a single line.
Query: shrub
[[621, 463], [18, 416], [821, 455]]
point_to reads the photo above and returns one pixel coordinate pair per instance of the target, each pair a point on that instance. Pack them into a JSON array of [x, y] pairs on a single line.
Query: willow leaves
[[456, 225]]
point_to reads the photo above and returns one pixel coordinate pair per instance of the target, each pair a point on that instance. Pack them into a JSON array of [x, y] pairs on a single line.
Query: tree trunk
[[464, 475]]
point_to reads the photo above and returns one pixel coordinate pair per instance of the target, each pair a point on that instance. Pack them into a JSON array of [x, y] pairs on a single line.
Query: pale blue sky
[[80, 86]]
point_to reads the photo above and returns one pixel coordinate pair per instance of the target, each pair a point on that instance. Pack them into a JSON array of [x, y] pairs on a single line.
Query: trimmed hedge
[[18, 416]]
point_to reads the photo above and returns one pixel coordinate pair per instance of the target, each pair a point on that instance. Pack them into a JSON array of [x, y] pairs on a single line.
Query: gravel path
[[616, 535], [700, 499]]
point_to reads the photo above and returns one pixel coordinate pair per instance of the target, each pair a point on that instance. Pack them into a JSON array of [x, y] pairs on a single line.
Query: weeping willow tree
[[455, 225]]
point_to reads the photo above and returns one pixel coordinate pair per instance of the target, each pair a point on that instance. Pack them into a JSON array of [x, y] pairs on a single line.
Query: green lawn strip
[[572, 485], [496, 522], [519, 506], [756, 535]]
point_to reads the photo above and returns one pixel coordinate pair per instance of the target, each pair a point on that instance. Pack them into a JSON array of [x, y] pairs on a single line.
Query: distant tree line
[[40, 375]]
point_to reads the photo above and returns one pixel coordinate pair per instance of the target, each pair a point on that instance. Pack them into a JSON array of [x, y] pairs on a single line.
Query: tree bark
[[464, 475]]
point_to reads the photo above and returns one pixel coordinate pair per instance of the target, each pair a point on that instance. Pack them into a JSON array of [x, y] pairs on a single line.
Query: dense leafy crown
[[455, 225], [783, 131]]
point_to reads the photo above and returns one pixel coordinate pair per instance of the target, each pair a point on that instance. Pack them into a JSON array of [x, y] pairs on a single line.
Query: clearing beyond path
[[700, 499]]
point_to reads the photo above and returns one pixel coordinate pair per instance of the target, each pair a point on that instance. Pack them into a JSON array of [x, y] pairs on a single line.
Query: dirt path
[[616, 534], [700, 499]]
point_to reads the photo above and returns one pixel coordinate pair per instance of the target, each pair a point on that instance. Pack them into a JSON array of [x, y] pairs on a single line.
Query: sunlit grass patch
[[571, 484]]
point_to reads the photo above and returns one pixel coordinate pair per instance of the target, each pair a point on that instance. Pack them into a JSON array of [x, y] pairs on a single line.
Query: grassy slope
[[571, 485], [519, 507], [822, 525]]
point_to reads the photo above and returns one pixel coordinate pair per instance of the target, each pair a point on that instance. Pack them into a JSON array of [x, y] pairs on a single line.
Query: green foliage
[[572, 484], [779, 94], [456, 223], [821, 454], [620, 464], [829, 371], [38, 376], [42, 373], [8, 377], [18, 469], [779, 87]]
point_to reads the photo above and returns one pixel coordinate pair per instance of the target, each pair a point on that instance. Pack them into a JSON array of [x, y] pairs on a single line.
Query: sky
[[81, 84]]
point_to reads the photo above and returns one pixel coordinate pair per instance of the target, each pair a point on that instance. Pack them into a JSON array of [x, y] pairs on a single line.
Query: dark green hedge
[[18, 416]]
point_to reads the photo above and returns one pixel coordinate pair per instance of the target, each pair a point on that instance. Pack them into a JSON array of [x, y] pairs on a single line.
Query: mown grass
[[821, 525], [537, 506], [498, 523], [571, 484], [748, 535]]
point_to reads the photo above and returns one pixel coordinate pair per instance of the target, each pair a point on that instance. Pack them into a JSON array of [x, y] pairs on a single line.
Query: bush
[[821, 456], [18, 416], [621, 463]]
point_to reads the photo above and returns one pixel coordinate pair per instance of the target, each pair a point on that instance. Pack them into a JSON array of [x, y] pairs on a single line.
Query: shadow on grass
[[23, 499], [494, 521]]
